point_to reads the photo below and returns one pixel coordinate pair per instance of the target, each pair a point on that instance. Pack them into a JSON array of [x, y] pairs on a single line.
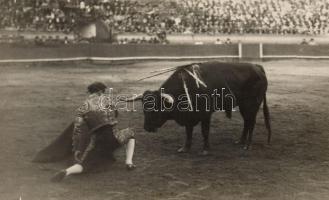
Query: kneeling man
[[95, 134]]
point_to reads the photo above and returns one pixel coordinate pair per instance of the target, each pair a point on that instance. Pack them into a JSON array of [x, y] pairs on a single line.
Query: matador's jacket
[[97, 111]]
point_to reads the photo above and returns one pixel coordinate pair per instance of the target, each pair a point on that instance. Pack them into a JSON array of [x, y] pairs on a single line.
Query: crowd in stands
[[310, 42], [143, 40], [257, 16], [36, 15], [50, 40], [173, 17], [227, 41]]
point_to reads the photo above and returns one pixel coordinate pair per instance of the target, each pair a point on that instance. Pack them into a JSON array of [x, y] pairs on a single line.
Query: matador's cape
[[59, 149]]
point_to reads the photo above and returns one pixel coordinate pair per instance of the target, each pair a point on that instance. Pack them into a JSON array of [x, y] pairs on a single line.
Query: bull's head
[[154, 105]]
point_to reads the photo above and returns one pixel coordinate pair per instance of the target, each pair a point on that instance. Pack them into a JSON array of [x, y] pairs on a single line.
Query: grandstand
[[188, 16], [48, 23]]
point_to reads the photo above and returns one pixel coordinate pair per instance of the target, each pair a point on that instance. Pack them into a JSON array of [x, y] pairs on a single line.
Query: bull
[[193, 92]]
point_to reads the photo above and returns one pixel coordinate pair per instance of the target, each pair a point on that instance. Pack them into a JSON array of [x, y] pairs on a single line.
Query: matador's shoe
[[130, 167], [59, 176]]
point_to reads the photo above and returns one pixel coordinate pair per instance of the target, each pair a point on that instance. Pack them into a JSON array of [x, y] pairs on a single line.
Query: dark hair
[[96, 87]]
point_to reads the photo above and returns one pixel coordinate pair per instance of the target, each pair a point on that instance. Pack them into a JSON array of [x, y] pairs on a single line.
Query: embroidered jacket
[[95, 112]]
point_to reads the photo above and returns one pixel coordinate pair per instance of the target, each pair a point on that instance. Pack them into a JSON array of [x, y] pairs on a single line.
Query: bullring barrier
[[110, 52]]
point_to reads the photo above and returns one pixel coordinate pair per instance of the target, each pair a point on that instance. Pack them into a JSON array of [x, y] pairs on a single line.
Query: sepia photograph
[[164, 99]]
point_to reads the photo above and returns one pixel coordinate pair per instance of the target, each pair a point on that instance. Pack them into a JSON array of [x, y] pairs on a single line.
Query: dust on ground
[[38, 101]]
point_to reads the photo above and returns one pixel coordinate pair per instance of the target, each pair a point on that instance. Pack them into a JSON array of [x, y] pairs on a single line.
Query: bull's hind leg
[[244, 134], [188, 141], [250, 126], [250, 121], [248, 112], [205, 126]]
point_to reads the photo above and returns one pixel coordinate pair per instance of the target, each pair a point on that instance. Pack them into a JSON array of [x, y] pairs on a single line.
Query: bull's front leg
[[188, 141], [205, 126]]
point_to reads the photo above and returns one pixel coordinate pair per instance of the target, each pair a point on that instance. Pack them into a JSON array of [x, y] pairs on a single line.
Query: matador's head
[[96, 87]]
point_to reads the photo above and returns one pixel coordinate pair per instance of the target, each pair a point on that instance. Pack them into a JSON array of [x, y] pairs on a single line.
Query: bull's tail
[[267, 120]]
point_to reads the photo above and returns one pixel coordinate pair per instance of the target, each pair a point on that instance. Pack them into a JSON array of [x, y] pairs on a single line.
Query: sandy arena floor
[[38, 101]]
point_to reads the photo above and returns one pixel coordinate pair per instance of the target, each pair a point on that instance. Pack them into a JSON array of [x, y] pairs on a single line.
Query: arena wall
[[284, 50], [103, 50], [28, 53], [11, 53]]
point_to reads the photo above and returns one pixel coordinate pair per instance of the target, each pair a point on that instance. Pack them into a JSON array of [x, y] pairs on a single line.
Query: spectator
[[218, 41], [228, 41], [304, 42], [312, 42], [66, 40], [37, 41], [143, 40]]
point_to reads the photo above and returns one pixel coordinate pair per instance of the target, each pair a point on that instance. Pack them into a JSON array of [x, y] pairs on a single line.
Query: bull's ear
[[138, 97], [168, 98]]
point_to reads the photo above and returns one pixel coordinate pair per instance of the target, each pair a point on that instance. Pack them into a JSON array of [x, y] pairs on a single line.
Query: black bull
[[244, 83]]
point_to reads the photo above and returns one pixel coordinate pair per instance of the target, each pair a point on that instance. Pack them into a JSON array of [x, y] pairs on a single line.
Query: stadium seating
[[173, 17]]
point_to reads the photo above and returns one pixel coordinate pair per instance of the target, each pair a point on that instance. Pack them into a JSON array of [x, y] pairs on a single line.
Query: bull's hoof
[[183, 150], [239, 142], [204, 153], [247, 147]]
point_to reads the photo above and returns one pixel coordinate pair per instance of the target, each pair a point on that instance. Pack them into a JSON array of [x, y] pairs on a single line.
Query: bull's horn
[[167, 97], [134, 98]]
